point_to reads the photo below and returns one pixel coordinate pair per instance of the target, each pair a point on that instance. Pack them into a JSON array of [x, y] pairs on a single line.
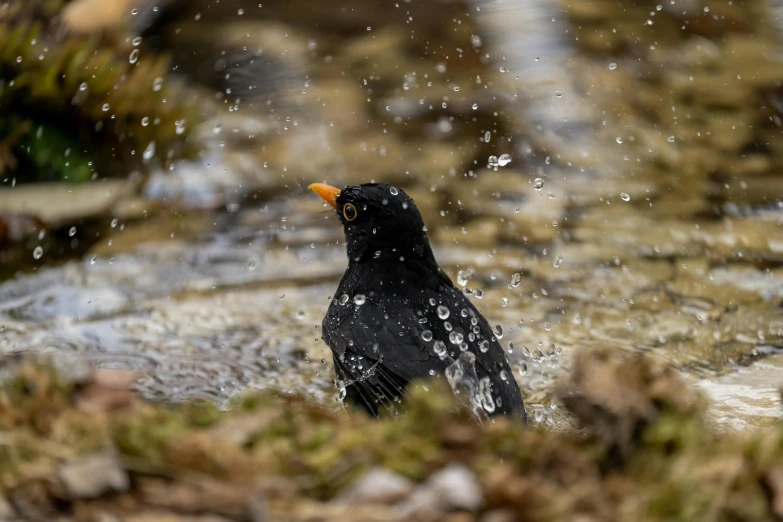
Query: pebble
[[6, 509], [450, 489], [457, 488], [423, 504], [377, 486], [93, 475]]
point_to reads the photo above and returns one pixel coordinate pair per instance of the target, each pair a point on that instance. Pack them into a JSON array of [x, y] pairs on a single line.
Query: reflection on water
[[620, 235]]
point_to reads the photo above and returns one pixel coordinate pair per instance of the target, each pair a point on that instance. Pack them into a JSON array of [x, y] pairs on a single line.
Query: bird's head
[[381, 222]]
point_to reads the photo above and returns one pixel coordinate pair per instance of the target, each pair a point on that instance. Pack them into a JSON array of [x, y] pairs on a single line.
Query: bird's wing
[[375, 354]]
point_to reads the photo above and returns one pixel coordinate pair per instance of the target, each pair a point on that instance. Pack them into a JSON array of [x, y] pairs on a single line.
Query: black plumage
[[396, 316]]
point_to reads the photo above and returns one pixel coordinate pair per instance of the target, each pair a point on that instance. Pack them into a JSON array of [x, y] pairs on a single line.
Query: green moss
[[673, 466], [84, 109], [149, 436]]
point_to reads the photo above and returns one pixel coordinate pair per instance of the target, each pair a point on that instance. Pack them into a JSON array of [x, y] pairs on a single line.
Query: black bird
[[396, 316]]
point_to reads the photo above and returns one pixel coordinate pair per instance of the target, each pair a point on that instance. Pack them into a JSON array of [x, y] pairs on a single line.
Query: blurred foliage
[[77, 107], [647, 453]]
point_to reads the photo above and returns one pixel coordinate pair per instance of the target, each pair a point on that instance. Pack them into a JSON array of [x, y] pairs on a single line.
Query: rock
[[377, 486], [93, 475], [6, 510], [423, 504], [60, 204], [87, 16], [451, 489], [457, 488]]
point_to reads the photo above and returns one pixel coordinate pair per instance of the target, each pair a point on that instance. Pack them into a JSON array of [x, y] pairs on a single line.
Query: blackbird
[[396, 315]]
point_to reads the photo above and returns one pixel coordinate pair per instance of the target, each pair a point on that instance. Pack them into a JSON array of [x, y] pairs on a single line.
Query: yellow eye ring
[[349, 212]]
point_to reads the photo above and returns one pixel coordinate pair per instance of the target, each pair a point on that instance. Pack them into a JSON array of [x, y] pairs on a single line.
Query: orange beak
[[327, 192]]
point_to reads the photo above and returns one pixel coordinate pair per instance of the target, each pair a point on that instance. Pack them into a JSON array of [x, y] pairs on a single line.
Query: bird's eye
[[349, 212]]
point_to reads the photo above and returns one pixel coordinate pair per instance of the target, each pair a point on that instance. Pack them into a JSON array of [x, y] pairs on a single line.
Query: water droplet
[[456, 338], [475, 106], [516, 280], [149, 152], [498, 331], [105, 107], [344, 299], [157, 84], [538, 183], [487, 136], [134, 56], [426, 335], [504, 160], [440, 349], [484, 346], [38, 252], [83, 86], [394, 191], [625, 197], [180, 126], [670, 139], [479, 293], [485, 392], [72, 232], [456, 88], [618, 139], [612, 66], [359, 299], [463, 276], [558, 261], [443, 312], [145, 121], [558, 94]]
